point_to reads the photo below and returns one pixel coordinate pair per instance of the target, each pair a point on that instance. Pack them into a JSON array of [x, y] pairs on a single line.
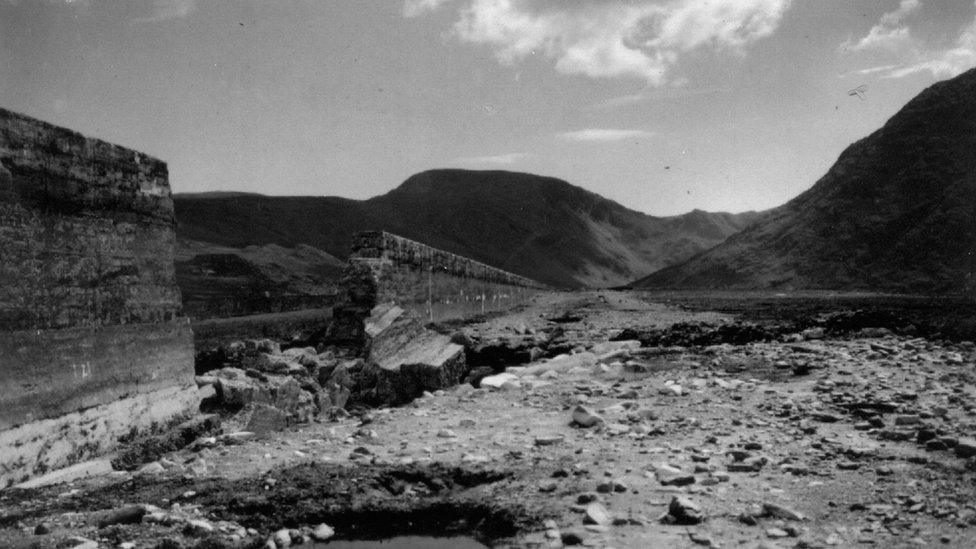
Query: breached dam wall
[[432, 284], [92, 344]]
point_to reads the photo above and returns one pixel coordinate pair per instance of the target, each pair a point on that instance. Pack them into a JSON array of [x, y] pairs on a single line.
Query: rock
[[966, 447], [198, 528], [778, 511], [587, 497], [907, 419], [152, 468], [672, 479], [702, 539], [585, 417], [813, 333], [265, 419], [446, 433], [406, 359], [323, 532], [672, 389], [748, 465], [281, 538], [596, 513], [549, 440], [612, 348], [78, 542], [42, 529], [131, 514], [684, 511], [562, 363], [572, 537], [611, 486], [237, 390], [498, 382]]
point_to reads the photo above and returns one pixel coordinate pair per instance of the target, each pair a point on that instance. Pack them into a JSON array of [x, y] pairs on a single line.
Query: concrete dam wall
[[92, 344], [431, 284], [435, 284]]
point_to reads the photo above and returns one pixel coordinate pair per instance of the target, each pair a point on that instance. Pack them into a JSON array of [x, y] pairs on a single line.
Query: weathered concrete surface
[[869, 448], [90, 330], [48, 373], [406, 359], [432, 284], [393, 286], [437, 285], [41, 446]]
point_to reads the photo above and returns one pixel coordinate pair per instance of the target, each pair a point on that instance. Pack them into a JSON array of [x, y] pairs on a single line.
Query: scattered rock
[[684, 511], [323, 532], [585, 417], [596, 513]]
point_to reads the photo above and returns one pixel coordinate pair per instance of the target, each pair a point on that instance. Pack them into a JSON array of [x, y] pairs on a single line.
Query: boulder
[[237, 390], [426, 362], [561, 363], [405, 359], [265, 419], [499, 381]]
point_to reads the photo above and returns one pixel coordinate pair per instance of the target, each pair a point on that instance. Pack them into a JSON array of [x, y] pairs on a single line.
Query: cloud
[[889, 34], [612, 38], [603, 135], [940, 63], [873, 70], [505, 159], [948, 63], [163, 10], [414, 8]]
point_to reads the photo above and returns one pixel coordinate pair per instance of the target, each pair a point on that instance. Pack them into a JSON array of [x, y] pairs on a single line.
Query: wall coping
[[381, 245]]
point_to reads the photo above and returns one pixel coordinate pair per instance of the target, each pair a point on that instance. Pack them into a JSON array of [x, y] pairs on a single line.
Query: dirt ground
[[807, 440]]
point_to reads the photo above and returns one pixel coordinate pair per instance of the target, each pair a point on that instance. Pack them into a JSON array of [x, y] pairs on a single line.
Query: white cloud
[[414, 8], [920, 58], [873, 70], [889, 34], [602, 135], [163, 10], [505, 159], [612, 38], [948, 63]]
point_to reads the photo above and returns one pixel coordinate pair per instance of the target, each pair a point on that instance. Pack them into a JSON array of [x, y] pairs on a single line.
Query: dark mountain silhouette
[[897, 212], [539, 227]]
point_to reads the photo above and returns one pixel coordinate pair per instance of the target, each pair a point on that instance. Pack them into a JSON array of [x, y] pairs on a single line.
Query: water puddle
[[405, 542]]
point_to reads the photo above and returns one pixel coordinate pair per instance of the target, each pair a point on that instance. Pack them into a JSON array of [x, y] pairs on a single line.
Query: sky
[[661, 105]]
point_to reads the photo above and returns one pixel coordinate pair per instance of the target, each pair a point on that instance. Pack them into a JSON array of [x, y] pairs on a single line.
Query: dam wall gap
[[93, 344]]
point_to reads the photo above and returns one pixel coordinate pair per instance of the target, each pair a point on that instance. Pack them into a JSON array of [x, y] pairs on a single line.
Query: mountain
[[539, 227], [217, 281], [897, 212]]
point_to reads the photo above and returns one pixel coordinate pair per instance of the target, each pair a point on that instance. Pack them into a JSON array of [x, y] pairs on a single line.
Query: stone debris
[[682, 510], [624, 444], [323, 532], [596, 513], [585, 417]]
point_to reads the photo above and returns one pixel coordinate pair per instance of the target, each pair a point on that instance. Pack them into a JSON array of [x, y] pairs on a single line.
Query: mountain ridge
[[540, 227], [896, 212]]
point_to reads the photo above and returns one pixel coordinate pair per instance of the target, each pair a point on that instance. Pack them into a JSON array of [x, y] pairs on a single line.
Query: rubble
[[872, 445]]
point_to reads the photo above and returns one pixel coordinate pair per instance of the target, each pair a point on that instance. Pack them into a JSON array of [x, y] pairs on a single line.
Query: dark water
[[405, 542]]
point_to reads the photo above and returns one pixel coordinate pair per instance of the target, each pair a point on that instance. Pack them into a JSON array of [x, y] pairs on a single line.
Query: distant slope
[[896, 212], [218, 281], [539, 227]]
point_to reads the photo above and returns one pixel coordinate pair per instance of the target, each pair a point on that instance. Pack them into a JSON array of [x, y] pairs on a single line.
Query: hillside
[[897, 212], [217, 281], [539, 227]]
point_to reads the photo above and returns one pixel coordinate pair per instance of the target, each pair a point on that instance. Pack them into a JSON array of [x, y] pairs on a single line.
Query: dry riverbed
[[806, 439]]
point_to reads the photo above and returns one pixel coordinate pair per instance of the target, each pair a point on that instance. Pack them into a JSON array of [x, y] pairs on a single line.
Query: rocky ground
[[688, 429]]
